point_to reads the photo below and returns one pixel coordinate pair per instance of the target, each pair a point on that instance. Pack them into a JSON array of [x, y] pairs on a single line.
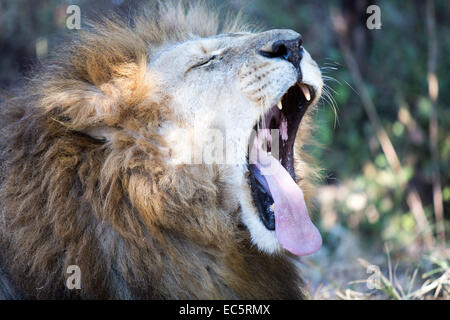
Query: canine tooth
[[279, 105], [305, 91]]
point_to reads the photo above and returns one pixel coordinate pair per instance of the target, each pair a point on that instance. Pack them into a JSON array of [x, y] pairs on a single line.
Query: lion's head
[[161, 137], [235, 83]]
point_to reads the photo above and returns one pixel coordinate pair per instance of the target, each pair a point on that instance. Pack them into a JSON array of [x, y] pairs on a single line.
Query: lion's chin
[[278, 199]]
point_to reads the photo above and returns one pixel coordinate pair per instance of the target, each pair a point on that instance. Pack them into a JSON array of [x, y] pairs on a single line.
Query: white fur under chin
[[264, 239]]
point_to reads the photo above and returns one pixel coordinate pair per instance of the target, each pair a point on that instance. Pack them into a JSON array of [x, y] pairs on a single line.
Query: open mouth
[[276, 195]]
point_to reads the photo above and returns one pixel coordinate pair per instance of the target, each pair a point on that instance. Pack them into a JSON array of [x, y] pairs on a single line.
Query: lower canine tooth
[[305, 91], [279, 105]]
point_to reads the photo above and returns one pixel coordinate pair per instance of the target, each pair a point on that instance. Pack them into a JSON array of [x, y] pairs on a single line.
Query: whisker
[[330, 89], [328, 78], [328, 99], [328, 68]]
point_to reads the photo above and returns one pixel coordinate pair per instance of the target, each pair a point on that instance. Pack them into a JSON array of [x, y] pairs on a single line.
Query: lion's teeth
[[305, 91], [279, 105]]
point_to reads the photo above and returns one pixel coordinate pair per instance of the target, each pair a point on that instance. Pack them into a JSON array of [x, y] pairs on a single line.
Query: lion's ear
[[101, 133], [131, 93]]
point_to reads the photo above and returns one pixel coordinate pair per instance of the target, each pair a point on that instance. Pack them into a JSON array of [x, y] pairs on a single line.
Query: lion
[[95, 170]]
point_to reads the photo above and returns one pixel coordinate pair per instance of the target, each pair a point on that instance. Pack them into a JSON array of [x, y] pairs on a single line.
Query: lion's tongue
[[294, 229]]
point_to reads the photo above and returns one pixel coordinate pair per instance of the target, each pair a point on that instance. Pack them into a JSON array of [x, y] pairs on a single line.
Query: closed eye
[[203, 62]]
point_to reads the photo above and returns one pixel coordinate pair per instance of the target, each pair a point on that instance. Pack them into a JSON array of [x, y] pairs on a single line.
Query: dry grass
[[432, 287], [345, 275]]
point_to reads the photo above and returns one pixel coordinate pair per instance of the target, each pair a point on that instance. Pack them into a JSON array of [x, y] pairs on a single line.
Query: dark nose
[[290, 50]]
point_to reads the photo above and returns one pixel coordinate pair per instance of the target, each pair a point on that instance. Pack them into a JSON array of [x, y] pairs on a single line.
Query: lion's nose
[[290, 50]]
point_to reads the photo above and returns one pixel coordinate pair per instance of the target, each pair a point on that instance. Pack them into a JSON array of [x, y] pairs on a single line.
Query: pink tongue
[[294, 229]]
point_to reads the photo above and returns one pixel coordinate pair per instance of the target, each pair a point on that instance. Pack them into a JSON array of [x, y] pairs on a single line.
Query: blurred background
[[381, 130]]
